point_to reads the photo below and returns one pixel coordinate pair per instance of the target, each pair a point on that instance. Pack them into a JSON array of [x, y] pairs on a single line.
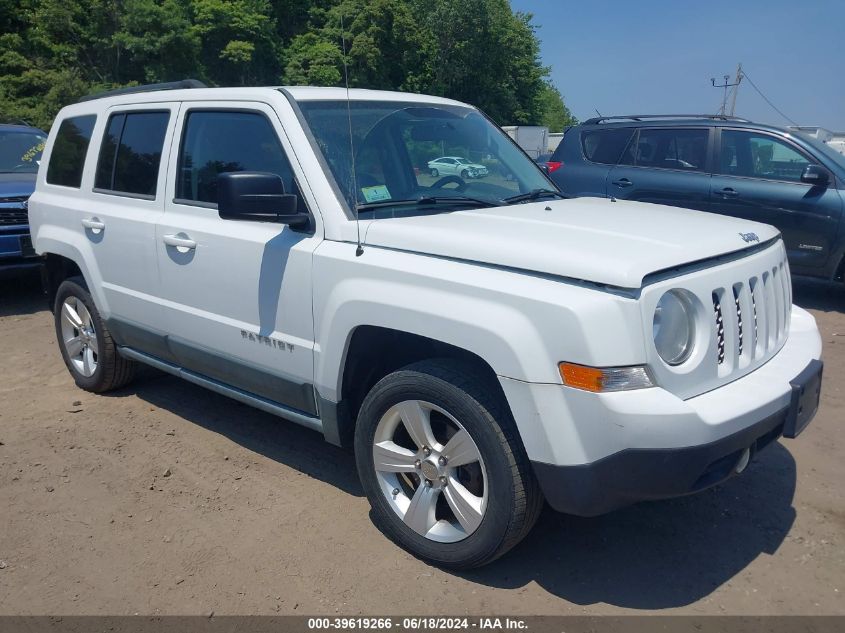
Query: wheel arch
[[63, 258], [56, 269], [371, 353]]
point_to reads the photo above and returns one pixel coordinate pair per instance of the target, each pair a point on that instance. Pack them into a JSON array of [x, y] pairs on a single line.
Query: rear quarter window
[[67, 160], [605, 146]]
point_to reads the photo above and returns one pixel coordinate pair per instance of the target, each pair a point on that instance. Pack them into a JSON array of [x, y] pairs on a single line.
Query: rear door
[[665, 165], [120, 215], [758, 177], [585, 157], [236, 293]]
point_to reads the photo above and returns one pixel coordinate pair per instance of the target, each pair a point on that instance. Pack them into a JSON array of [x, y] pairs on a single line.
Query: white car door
[[236, 294], [119, 217]]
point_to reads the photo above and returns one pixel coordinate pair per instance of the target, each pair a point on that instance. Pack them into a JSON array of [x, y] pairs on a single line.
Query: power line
[[766, 99]]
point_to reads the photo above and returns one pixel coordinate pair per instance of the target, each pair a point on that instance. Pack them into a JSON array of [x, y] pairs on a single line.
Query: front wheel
[[434, 173], [443, 467]]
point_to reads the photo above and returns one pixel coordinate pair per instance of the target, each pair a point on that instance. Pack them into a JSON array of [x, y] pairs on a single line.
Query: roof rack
[[172, 85], [641, 117]]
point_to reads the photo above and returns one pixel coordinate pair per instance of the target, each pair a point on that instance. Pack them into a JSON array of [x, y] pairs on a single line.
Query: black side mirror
[[259, 197], [815, 175]]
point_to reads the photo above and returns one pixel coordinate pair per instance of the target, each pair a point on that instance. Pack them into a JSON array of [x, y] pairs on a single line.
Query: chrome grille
[[720, 329], [767, 297], [738, 319]]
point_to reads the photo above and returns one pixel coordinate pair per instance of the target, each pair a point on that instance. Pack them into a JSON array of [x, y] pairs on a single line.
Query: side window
[[605, 146], [760, 156], [68, 156], [131, 153], [215, 142], [667, 148]]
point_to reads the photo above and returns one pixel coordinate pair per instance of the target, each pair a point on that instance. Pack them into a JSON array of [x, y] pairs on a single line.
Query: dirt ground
[[166, 498]]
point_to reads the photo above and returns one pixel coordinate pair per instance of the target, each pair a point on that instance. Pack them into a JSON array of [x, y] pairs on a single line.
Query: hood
[[16, 185], [590, 239]]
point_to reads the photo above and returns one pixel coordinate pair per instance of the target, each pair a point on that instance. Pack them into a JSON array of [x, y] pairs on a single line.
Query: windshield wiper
[[535, 194], [461, 200]]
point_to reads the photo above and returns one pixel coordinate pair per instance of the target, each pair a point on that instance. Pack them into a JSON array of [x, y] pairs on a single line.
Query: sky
[[657, 57]]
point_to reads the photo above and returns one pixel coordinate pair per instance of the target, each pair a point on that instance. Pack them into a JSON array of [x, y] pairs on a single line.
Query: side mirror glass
[[259, 197], [815, 175]]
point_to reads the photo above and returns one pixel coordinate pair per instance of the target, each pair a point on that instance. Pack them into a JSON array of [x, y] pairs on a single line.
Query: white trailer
[[836, 140], [534, 139]]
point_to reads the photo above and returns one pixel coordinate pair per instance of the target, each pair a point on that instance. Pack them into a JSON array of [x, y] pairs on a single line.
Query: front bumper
[[16, 251], [641, 474], [593, 453]]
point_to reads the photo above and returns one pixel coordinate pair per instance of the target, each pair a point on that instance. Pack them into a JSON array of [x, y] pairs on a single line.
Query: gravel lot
[[166, 498]]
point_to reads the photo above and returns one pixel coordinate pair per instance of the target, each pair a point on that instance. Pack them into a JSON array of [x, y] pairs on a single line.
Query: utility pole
[[725, 86], [737, 81]]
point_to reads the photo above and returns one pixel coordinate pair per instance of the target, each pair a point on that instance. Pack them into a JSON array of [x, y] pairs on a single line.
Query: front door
[[664, 166], [758, 177], [236, 294]]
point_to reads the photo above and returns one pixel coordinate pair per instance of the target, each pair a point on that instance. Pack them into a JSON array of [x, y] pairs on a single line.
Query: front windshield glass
[[418, 155], [20, 151]]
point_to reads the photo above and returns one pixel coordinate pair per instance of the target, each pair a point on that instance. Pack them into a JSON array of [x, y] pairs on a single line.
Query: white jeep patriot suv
[[483, 344]]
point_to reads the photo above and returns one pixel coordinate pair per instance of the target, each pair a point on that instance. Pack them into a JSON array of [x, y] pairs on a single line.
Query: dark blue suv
[[719, 164], [20, 155]]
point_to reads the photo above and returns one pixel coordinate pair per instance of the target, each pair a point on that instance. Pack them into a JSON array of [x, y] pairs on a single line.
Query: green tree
[[485, 54], [239, 41], [157, 41], [553, 111], [479, 51], [385, 47]]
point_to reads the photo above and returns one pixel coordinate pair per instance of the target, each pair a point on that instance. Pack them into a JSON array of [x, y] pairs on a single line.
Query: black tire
[[113, 371], [434, 173], [514, 498], [465, 174]]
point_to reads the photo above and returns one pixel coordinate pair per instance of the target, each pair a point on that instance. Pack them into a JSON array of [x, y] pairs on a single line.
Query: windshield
[[20, 151], [418, 154]]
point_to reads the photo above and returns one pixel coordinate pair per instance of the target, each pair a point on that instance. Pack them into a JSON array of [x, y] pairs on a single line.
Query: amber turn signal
[[604, 379]]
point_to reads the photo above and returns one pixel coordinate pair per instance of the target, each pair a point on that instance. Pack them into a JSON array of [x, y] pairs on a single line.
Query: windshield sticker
[[376, 193]]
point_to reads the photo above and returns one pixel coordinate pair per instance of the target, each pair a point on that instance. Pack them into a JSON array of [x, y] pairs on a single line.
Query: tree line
[[478, 51]]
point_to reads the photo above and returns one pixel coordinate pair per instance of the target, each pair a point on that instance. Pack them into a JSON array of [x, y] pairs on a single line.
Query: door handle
[[729, 192], [622, 182], [94, 224], [180, 242]]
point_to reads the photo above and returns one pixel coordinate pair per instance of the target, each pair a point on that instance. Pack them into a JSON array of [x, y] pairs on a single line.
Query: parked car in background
[[456, 166], [719, 164], [20, 156]]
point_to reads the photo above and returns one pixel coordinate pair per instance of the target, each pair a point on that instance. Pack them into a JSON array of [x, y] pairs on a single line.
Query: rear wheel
[[87, 347], [443, 467]]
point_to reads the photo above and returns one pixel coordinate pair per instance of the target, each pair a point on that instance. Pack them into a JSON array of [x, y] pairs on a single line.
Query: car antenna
[[359, 250]]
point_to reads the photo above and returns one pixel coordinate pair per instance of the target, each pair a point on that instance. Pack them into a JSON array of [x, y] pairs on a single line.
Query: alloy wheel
[[430, 471], [79, 336]]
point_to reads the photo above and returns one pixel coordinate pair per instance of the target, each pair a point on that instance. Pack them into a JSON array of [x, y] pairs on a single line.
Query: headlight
[[673, 327]]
